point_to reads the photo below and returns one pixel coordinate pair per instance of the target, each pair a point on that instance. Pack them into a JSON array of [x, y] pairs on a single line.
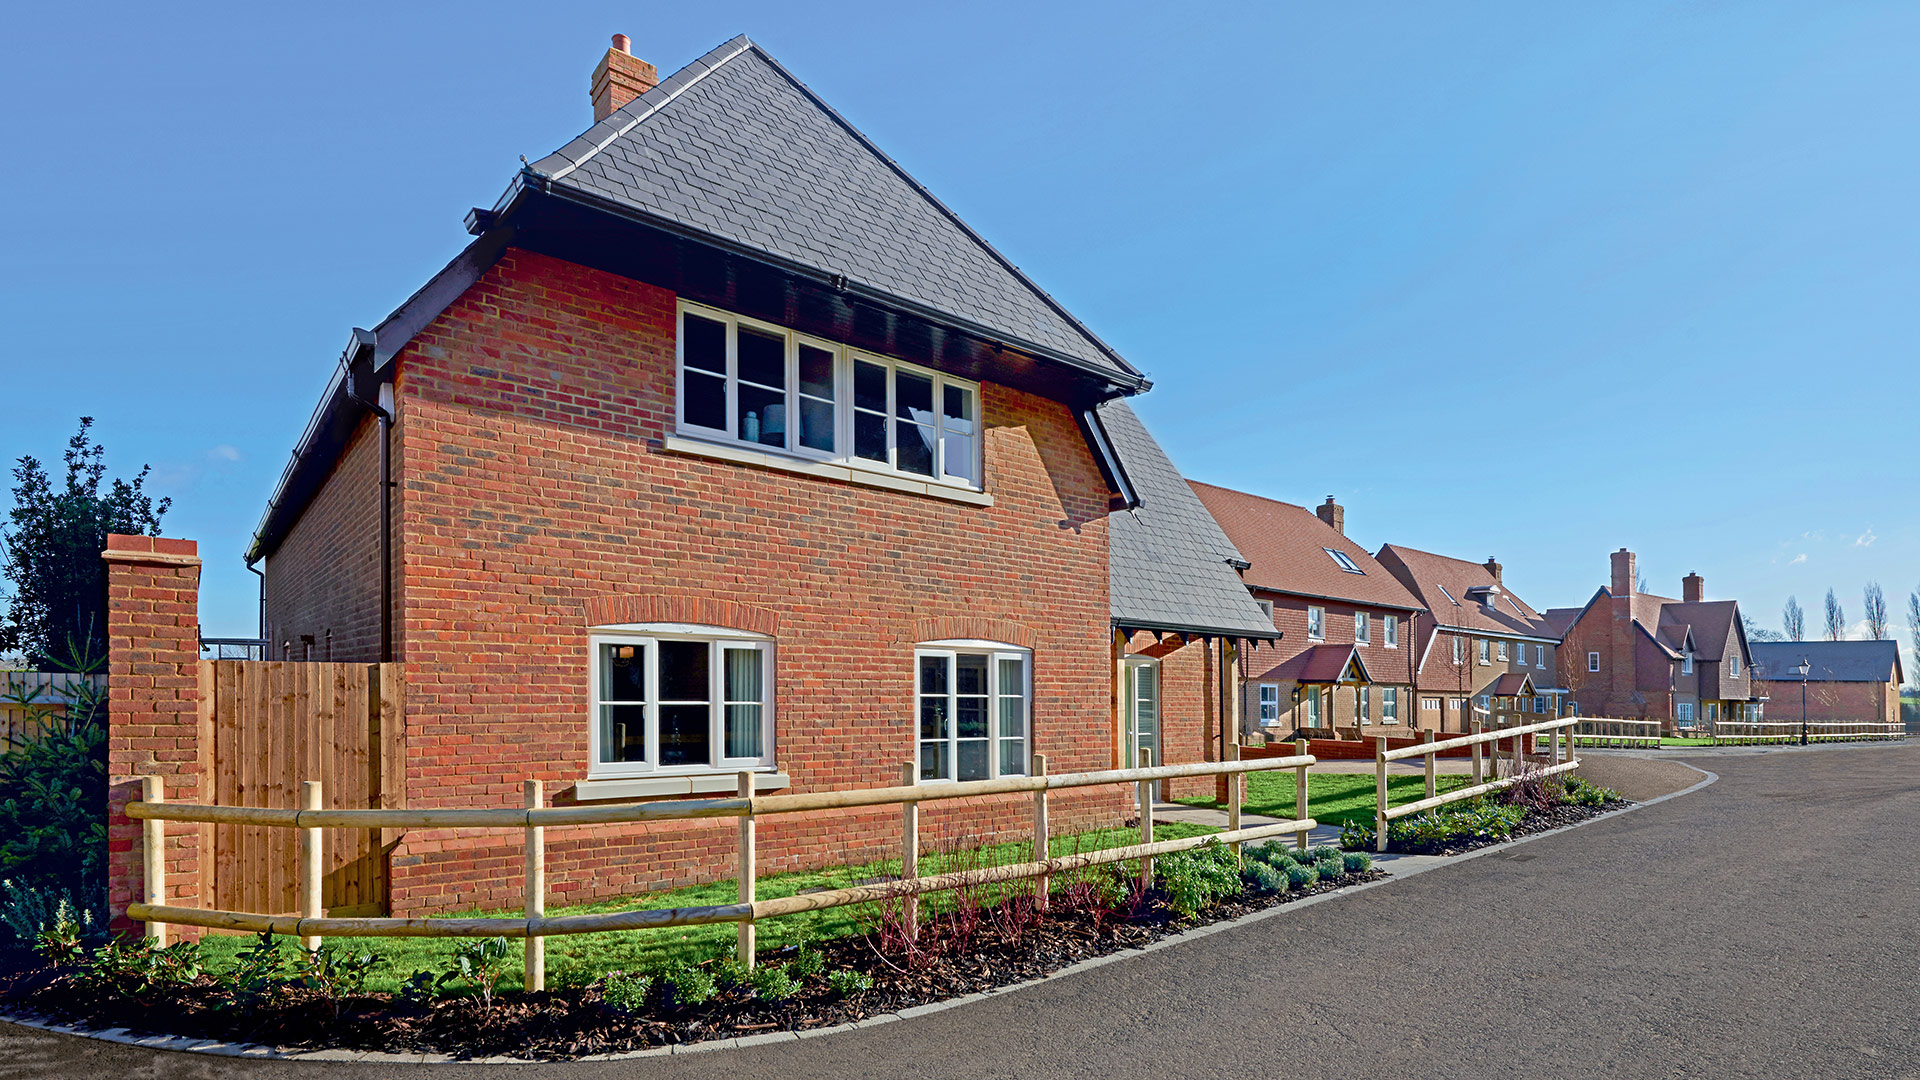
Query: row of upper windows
[[1686, 663], [680, 700], [749, 382], [1489, 650], [1362, 627]]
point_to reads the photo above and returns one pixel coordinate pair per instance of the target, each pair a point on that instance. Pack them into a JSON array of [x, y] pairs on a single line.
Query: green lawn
[[1333, 798], [1671, 741], [650, 949]]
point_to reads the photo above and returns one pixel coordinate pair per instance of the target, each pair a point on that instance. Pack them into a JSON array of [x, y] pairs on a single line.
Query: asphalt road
[[1762, 926]]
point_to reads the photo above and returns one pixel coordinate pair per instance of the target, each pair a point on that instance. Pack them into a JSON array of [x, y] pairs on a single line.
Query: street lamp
[[1803, 669]]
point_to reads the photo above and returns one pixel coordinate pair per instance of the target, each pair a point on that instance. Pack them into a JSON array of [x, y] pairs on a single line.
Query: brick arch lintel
[[700, 610], [974, 627]]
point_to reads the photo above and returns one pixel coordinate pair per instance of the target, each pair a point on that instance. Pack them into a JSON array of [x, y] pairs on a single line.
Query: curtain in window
[[745, 703]]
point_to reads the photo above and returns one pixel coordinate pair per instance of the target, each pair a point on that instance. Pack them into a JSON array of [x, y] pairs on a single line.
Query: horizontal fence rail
[[1747, 732], [310, 923], [1608, 731], [1382, 813]]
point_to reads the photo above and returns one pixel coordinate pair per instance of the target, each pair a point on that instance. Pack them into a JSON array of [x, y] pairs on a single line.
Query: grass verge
[[579, 958], [1333, 798]]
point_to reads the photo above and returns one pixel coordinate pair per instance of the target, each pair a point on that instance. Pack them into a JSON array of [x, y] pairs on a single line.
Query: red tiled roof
[[1512, 684], [1288, 545], [1443, 584], [1319, 664]]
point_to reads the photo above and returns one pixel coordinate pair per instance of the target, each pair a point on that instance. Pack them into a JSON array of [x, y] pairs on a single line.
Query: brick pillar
[[155, 723]]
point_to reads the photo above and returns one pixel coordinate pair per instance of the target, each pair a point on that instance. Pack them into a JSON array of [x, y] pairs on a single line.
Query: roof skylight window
[[1448, 595], [1344, 561]]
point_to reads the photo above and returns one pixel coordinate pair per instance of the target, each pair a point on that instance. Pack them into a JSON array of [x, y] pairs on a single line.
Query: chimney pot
[[1623, 576], [1333, 514], [1693, 588], [623, 43], [1493, 567]]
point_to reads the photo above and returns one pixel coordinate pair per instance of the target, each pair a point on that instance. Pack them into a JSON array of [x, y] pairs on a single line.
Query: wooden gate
[[276, 724]]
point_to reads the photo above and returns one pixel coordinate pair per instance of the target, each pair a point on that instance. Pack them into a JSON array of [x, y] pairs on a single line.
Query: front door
[[1142, 717]]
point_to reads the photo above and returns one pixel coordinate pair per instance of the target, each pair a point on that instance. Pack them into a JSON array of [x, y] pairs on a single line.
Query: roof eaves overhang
[[1237, 633], [1256, 587]]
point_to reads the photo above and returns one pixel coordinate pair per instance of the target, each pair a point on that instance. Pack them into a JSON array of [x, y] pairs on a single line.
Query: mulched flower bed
[[565, 1024], [1536, 821]]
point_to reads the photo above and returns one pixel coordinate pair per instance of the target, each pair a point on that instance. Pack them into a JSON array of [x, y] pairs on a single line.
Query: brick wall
[[155, 725], [323, 582], [1855, 702], [535, 487]]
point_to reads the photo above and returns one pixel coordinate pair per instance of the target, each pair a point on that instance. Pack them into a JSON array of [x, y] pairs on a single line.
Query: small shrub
[[1198, 877], [1357, 862], [478, 962], [626, 990], [1264, 877], [258, 970], [133, 966], [1579, 791], [1530, 790], [847, 982], [1355, 835], [567, 973], [771, 983], [806, 963], [336, 973], [1331, 867], [1272, 853], [420, 987], [692, 984], [28, 914], [59, 941], [1302, 877], [1320, 853]]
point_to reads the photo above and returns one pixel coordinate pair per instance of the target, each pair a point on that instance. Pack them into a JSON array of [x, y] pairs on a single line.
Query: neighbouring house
[[1345, 662], [1634, 655], [726, 447], [1845, 681], [1180, 611], [1481, 650]]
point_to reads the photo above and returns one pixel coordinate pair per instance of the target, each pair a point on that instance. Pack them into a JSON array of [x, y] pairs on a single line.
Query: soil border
[[1396, 867]]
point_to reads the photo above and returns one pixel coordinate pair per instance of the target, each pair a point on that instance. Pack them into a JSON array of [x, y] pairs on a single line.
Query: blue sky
[[1522, 280]]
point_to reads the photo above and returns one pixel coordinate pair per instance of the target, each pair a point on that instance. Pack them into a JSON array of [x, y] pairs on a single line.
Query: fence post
[[536, 887], [1300, 794], [153, 851], [1146, 818], [311, 850], [1430, 765], [747, 944], [1513, 764], [910, 849], [1042, 885], [1479, 773], [1233, 793], [1380, 793]]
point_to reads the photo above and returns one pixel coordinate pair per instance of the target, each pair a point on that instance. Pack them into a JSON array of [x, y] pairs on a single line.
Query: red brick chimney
[[620, 78], [1693, 588], [1493, 567], [1333, 514], [1623, 576]]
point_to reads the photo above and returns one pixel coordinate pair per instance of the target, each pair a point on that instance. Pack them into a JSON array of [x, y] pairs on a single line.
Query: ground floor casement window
[[680, 699], [974, 709]]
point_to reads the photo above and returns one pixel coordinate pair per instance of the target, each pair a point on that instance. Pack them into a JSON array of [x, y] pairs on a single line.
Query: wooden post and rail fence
[[310, 821], [1745, 732], [1482, 785]]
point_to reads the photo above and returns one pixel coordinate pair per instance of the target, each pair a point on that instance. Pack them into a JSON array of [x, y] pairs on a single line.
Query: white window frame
[[994, 651], [648, 636], [1540, 658], [1316, 623], [1686, 662], [1390, 631], [1522, 658], [1685, 713], [1459, 650], [844, 358], [1390, 705], [1266, 606], [1363, 702], [1343, 560], [1269, 698], [1733, 665], [1593, 661], [1311, 699], [1362, 628], [1500, 651], [1484, 651]]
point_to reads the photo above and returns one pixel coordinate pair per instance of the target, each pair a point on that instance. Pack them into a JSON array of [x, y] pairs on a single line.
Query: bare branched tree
[[1794, 621], [1836, 619], [1640, 580], [1756, 632], [1913, 630], [1876, 612]]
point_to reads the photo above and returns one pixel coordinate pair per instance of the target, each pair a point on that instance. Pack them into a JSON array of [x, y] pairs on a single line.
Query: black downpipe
[[386, 506]]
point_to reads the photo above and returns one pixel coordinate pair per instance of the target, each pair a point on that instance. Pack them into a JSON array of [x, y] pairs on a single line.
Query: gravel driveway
[[1761, 926]]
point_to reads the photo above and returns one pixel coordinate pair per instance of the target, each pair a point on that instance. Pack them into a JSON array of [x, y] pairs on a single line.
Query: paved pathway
[[1759, 927]]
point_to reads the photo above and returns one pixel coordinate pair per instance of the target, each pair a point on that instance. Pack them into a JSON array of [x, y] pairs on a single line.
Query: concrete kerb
[[1398, 866]]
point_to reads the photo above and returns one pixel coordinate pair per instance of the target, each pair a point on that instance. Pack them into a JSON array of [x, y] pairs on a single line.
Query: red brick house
[[1634, 655], [1846, 681], [1345, 661], [724, 446], [1482, 651]]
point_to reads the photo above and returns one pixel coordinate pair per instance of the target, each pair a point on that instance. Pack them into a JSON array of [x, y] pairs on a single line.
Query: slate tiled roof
[[734, 147], [1433, 577], [1828, 661], [1167, 558], [1287, 546]]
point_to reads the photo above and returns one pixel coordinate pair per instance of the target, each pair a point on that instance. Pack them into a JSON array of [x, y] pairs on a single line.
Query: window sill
[[666, 787], [846, 474]]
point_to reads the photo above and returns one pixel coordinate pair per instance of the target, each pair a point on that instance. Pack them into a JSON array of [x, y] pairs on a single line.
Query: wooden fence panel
[[34, 704], [277, 724]]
